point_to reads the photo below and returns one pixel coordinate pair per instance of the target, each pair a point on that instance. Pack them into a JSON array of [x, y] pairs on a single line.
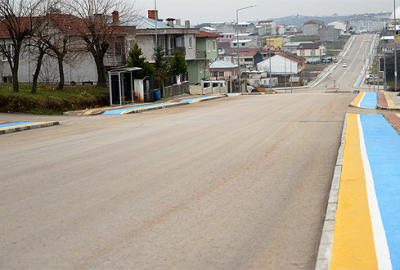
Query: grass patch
[[49, 100]]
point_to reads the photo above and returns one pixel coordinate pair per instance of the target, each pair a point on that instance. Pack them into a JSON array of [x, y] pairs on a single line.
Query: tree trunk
[[101, 70], [15, 78], [37, 71], [60, 85]]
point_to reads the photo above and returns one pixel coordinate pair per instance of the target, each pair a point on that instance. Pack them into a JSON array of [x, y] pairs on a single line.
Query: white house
[[281, 64], [343, 26]]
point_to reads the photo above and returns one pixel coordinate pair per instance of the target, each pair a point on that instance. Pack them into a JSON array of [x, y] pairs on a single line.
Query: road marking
[[356, 102], [390, 102], [353, 244], [381, 247], [382, 144]]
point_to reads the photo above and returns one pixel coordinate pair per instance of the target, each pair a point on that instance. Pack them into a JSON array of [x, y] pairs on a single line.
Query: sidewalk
[[380, 100], [388, 100], [141, 107], [362, 225]]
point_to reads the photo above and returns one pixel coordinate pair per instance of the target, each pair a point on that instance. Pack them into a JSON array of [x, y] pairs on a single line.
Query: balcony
[[171, 52], [201, 54], [114, 60]]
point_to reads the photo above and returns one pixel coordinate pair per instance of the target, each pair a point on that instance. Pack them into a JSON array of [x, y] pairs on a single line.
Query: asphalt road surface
[[235, 183]]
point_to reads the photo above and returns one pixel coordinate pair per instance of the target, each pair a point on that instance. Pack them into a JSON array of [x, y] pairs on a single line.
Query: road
[[238, 182]]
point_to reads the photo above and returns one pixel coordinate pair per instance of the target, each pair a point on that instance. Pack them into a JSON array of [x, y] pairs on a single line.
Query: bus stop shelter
[[121, 85]]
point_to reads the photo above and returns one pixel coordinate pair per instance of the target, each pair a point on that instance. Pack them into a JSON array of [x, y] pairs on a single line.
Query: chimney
[[187, 24], [152, 14], [115, 16], [170, 21], [178, 22]]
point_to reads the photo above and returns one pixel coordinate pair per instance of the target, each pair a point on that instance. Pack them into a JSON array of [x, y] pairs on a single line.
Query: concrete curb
[[213, 97], [33, 126], [325, 246], [157, 107]]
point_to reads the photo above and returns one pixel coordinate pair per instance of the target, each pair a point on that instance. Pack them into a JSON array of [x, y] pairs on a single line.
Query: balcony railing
[[114, 60], [171, 52], [201, 54]]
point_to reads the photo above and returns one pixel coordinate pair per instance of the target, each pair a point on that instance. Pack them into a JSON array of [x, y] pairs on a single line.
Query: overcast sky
[[199, 11]]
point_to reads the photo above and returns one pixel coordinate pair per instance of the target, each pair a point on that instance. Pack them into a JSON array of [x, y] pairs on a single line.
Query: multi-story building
[[312, 52], [269, 26], [311, 28], [206, 44], [170, 35]]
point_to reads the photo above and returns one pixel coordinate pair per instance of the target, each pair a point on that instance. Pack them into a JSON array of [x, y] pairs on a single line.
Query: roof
[[222, 64], [224, 45], [309, 46], [204, 34], [22, 22], [122, 70], [241, 41], [243, 50], [146, 23], [295, 44]]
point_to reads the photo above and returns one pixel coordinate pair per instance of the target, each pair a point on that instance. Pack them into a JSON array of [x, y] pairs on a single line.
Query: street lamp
[[237, 39]]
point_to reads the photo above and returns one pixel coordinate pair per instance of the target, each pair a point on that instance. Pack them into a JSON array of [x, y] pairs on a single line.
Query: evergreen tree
[[178, 64], [159, 57], [135, 59], [161, 66]]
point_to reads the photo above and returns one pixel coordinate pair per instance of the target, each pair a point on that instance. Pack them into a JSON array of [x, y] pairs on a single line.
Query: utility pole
[[395, 49], [270, 67]]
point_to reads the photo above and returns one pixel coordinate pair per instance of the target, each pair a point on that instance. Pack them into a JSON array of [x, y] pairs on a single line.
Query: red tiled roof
[[224, 45], [204, 34], [67, 23], [22, 22]]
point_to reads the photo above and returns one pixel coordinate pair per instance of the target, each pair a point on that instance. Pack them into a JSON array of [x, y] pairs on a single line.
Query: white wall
[[278, 64]]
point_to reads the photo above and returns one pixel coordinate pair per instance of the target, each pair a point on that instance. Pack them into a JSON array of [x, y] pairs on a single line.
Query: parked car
[[371, 76], [344, 65]]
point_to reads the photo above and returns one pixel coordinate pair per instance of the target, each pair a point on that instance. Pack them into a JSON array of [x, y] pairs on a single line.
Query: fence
[[178, 85]]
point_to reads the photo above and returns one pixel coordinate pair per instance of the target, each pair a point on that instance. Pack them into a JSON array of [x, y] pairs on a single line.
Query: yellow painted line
[[390, 102], [26, 125], [353, 242], [357, 100]]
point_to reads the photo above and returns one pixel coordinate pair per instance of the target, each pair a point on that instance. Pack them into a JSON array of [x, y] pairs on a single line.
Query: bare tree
[[60, 33], [18, 22], [41, 48], [104, 24]]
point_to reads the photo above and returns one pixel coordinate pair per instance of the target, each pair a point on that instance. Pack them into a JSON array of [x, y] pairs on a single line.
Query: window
[[234, 44], [221, 73], [214, 45], [190, 42], [118, 49], [242, 44], [302, 52], [248, 59], [9, 49], [208, 45], [214, 73], [312, 52]]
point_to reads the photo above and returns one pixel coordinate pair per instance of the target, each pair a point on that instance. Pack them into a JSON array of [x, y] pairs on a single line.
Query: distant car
[[344, 65], [371, 76]]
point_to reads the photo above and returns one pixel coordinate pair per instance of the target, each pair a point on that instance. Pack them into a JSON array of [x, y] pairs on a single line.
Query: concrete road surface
[[239, 182]]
